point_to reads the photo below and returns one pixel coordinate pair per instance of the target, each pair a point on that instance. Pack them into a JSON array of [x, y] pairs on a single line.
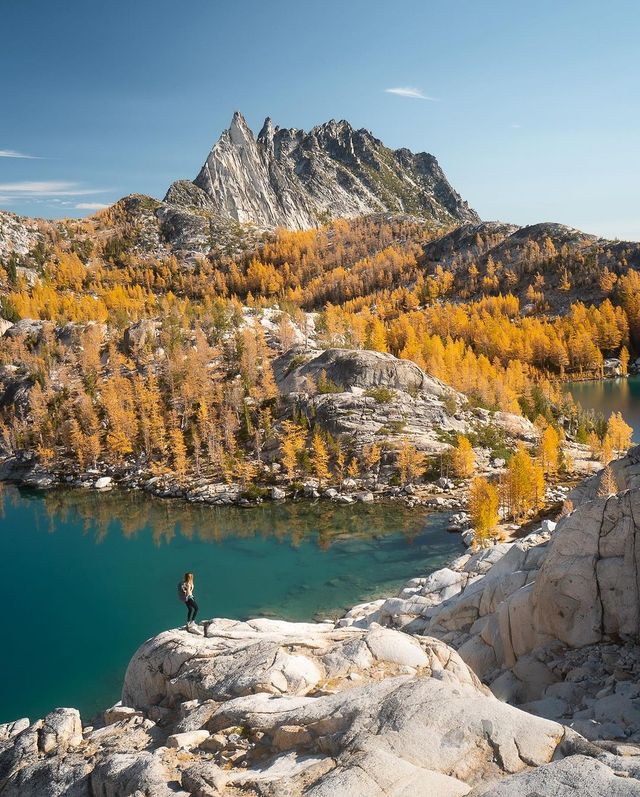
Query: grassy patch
[[493, 438], [326, 385], [392, 427], [296, 361], [382, 395], [253, 492]]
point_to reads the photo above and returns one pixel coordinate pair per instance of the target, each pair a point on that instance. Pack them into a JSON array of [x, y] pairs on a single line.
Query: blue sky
[[534, 117]]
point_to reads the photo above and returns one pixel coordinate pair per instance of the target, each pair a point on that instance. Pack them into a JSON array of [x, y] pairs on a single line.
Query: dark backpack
[[182, 593]]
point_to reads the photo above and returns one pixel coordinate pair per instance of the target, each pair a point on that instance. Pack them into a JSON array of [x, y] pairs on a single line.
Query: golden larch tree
[[523, 485], [178, 450], [410, 462], [608, 485], [619, 432], [353, 468], [463, 460], [606, 450], [550, 451], [484, 503], [319, 457], [292, 442]]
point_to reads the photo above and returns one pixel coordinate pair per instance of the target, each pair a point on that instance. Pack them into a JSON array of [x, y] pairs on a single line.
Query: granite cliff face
[[295, 179], [549, 621]]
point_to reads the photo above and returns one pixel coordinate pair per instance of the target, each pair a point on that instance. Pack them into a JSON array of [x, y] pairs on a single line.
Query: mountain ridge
[[291, 178]]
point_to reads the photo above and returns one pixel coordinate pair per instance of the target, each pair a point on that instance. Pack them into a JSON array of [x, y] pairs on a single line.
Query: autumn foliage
[[202, 396]]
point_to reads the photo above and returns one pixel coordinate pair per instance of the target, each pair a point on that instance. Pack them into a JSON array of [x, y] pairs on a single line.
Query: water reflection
[[611, 395], [129, 512]]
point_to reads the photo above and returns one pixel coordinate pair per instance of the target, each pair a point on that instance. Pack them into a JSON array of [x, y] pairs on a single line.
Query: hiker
[[185, 593]]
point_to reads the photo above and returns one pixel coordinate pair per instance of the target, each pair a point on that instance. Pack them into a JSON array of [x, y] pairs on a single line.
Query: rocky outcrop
[[267, 707], [277, 658], [577, 775], [185, 225], [140, 335], [625, 473], [18, 234], [290, 178], [374, 397], [348, 368], [549, 621]]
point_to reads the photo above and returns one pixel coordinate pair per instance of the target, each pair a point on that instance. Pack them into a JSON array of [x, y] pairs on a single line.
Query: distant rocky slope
[[569, 261], [381, 702], [291, 178], [19, 234]]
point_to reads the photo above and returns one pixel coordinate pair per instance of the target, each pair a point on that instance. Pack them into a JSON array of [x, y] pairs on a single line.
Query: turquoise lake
[[87, 577], [611, 395]]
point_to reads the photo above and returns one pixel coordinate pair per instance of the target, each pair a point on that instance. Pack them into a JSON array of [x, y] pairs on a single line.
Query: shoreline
[[612, 378], [344, 617], [272, 607], [25, 471]]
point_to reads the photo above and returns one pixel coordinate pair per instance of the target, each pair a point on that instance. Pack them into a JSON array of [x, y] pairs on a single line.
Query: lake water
[[611, 395], [85, 578]]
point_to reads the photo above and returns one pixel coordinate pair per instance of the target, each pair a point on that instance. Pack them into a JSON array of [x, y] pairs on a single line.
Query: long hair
[[188, 578]]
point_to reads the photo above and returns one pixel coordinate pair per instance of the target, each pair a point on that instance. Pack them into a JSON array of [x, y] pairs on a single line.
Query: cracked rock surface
[[268, 708]]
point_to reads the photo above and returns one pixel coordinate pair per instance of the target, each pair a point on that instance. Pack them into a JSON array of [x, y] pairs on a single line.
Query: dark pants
[[192, 609]]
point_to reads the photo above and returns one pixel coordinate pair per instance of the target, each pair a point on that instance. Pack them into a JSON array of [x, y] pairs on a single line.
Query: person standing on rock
[[185, 593]]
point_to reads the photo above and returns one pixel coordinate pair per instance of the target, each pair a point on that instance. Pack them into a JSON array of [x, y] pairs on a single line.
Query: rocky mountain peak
[[266, 132], [292, 178], [239, 132]]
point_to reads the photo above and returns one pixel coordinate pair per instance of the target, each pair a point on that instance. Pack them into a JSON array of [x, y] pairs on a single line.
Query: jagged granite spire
[[290, 178]]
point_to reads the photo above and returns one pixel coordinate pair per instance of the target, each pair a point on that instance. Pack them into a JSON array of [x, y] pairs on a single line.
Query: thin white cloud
[[409, 91], [11, 153], [47, 188], [89, 205], [516, 127]]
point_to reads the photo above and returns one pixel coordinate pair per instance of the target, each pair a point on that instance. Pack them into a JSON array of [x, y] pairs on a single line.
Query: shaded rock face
[[290, 178]]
